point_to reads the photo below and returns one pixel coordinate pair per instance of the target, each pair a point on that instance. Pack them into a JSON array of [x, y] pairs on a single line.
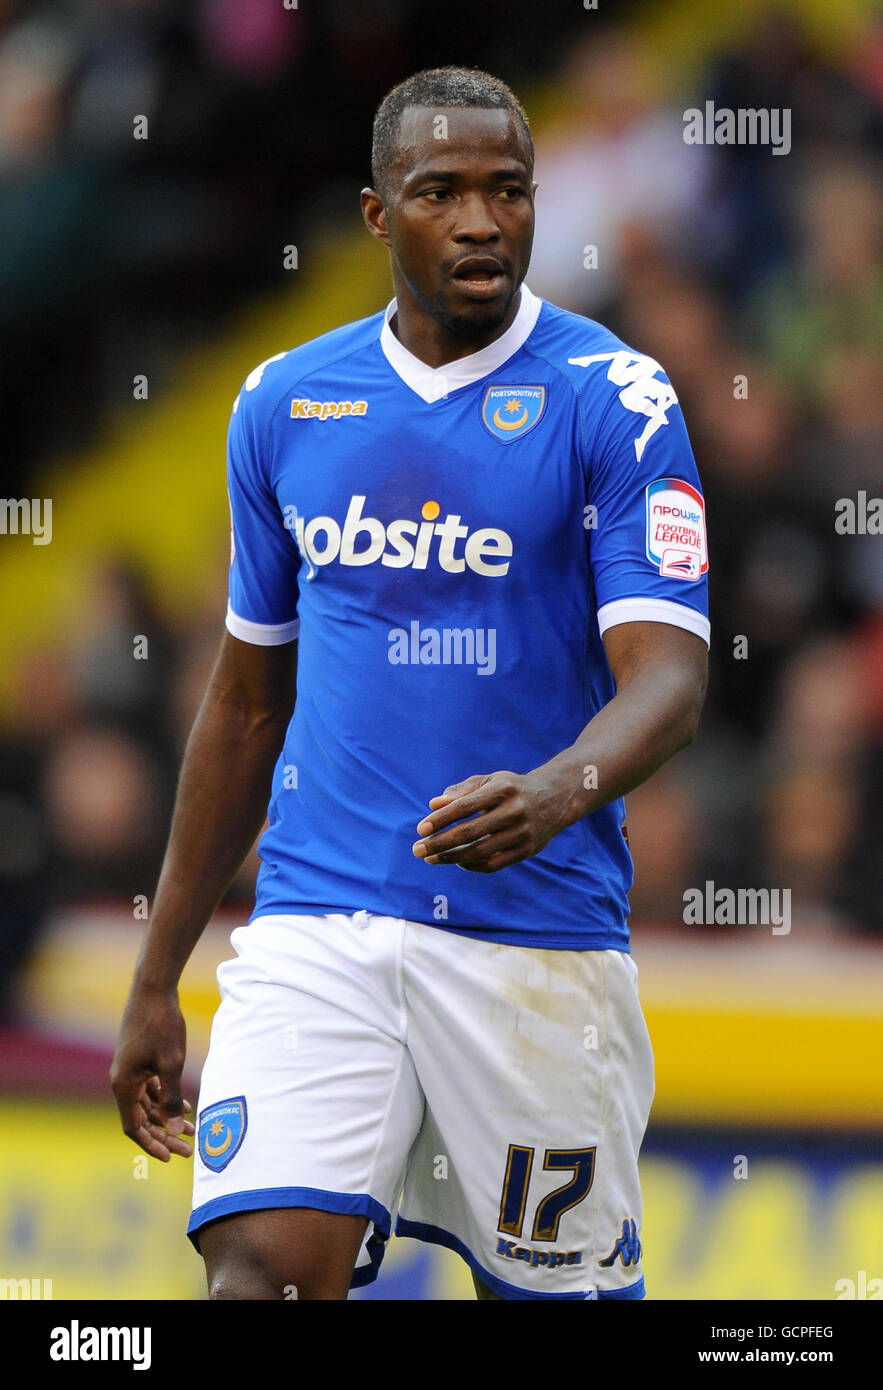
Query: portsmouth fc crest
[[510, 411], [221, 1131]]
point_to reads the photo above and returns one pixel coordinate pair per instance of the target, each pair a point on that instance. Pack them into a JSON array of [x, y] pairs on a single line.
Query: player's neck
[[434, 344]]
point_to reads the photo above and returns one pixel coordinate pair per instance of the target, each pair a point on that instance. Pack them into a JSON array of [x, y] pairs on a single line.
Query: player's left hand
[[515, 814]]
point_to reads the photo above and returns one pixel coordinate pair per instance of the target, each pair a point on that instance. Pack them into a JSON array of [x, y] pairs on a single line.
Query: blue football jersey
[[448, 545]]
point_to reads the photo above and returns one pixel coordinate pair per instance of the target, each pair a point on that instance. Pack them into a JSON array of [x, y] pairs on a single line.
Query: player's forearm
[[649, 719], [222, 797]]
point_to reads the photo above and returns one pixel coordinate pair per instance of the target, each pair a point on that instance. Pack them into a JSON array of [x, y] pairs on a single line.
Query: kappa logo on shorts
[[627, 1248], [538, 1259], [222, 1129], [510, 411]]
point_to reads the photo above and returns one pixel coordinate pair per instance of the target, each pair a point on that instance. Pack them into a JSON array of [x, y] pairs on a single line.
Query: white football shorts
[[491, 1097]]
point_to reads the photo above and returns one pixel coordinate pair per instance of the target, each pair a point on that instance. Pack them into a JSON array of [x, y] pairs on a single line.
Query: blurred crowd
[[754, 279], [124, 244], [757, 281]]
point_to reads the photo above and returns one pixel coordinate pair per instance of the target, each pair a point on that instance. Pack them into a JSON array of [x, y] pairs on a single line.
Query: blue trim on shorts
[[636, 1290], [267, 1198], [434, 1235], [375, 1248]]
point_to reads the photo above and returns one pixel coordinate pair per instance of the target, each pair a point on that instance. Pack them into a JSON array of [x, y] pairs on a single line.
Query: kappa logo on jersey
[[326, 410], [510, 411], [221, 1131], [627, 1248], [364, 540], [641, 392], [676, 541]]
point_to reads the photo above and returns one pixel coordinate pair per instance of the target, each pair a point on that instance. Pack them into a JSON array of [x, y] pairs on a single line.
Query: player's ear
[[374, 215]]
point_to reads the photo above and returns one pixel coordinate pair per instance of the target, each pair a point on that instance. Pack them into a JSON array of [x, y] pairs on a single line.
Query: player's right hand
[[146, 1074]]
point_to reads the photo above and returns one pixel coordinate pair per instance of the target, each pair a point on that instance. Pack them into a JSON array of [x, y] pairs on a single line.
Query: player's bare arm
[[660, 673], [220, 806]]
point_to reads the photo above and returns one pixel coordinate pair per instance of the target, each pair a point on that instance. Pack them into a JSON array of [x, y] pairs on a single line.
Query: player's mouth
[[481, 277]]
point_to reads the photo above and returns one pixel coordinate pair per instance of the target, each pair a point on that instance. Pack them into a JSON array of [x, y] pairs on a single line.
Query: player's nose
[[476, 221]]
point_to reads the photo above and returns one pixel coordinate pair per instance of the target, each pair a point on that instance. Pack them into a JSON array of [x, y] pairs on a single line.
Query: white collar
[[431, 383]]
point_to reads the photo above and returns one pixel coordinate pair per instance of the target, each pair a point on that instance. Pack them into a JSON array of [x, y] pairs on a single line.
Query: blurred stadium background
[[164, 258]]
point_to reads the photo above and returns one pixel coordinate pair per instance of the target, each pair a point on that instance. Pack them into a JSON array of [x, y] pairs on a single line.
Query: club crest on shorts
[[222, 1129], [510, 411]]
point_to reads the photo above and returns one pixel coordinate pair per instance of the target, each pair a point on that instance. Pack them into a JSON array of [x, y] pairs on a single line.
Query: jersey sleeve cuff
[[654, 610], [261, 634]]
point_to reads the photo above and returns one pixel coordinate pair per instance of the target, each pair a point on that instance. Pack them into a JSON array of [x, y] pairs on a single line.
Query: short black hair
[[468, 87]]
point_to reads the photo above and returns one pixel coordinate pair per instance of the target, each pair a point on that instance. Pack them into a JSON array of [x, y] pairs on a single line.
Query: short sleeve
[[264, 558], [646, 523]]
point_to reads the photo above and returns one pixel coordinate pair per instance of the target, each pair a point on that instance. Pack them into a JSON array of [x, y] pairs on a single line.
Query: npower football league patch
[[676, 538]]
